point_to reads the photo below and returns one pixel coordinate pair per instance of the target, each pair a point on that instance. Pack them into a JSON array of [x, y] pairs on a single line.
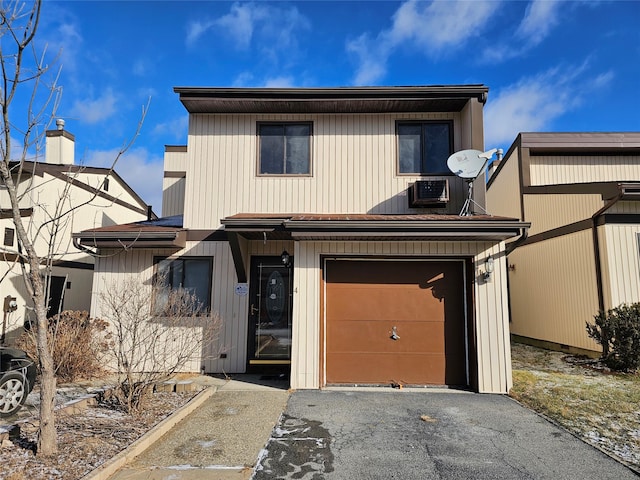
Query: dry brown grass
[[601, 407]]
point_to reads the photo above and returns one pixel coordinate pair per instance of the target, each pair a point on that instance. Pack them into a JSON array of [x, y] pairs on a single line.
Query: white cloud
[[93, 110], [372, 60], [240, 21], [176, 129], [196, 29], [282, 82], [277, 26], [439, 25], [142, 171], [245, 79], [540, 18], [534, 103], [435, 28]]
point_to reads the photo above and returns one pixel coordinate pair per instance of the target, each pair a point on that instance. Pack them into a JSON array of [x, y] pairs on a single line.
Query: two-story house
[[58, 197], [324, 226], [580, 193]]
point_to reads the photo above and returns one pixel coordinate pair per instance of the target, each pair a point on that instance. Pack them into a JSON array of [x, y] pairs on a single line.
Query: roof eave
[[132, 239], [330, 100]]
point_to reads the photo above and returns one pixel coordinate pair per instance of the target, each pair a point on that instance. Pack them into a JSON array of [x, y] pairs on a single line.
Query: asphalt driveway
[[424, 435]]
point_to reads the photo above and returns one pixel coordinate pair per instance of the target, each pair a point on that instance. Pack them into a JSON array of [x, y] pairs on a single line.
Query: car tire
[[13, 393]]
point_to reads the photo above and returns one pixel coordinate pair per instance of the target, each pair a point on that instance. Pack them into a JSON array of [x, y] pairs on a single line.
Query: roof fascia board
[[431, 225], [347, 93]]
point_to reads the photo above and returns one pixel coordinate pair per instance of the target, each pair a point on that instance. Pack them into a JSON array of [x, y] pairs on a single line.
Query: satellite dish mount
[[468, 164]]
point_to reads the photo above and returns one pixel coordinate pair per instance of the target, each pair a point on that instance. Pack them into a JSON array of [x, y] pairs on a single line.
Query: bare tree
[[24, 76], [18, 26], [150, 344]]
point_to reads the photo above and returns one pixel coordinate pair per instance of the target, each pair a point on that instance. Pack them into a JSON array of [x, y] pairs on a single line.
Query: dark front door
[[269, 312], [56, 296]]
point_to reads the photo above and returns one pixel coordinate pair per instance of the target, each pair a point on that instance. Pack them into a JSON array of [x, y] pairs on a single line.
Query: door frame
[[252, 364]]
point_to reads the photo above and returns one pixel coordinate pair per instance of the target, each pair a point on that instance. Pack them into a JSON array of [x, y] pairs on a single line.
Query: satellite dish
[[469, 163]]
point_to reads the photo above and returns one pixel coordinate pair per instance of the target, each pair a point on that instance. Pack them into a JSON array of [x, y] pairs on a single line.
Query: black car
[[17, 377]]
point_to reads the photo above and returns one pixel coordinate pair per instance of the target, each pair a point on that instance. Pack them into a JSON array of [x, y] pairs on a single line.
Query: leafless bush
[[148, 348], [78, 345]]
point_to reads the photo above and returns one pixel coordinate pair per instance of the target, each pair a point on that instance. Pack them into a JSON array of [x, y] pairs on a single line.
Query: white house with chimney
[[87, 197]]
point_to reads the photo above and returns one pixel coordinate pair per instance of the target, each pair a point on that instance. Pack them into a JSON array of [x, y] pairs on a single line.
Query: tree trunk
[[47, 437]]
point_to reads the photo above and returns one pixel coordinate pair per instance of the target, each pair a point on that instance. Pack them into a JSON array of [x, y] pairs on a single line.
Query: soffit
[[330, 100]]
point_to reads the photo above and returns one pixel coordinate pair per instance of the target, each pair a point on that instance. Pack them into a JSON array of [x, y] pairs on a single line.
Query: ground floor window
[[192, 274]]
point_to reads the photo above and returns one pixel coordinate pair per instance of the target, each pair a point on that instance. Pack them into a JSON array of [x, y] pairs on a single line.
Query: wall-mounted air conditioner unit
[[429, 193]]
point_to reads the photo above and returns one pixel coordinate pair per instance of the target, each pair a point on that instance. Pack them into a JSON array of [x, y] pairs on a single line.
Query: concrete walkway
[[220, 440]]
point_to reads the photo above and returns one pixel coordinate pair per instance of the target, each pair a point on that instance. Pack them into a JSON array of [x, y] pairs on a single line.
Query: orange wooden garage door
[[422, 302]]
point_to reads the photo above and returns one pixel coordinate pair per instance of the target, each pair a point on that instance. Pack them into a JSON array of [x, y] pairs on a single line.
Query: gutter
[[82, 248]]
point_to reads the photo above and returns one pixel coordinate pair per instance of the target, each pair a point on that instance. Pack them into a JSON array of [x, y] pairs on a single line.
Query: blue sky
[[550, 65]]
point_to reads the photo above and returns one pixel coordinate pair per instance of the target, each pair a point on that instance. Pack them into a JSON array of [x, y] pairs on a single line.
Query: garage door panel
[[416, 337], [373, 303], [424, 300], [370, 368]]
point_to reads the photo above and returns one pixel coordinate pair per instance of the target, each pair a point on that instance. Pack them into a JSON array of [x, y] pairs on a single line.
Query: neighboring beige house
[[58, 185], [323, 225], [580, 193]]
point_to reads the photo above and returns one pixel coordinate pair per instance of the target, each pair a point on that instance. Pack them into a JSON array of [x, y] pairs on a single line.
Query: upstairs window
[[424, 147], [192, 274], [8, 236], [285, 148]]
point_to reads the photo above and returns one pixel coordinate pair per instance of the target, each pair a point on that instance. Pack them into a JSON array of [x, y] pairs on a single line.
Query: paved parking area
[[428, 435]]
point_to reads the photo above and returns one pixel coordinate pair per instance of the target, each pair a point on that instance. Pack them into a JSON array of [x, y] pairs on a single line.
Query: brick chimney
[[60, 146]]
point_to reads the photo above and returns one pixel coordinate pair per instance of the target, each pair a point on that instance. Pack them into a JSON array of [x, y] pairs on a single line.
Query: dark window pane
[[297, 148], [196, 280], [285, 149], [271, 149], [437, 147], [424, 148], [191, 274], [8, 236], [409, 139], [162, 287]]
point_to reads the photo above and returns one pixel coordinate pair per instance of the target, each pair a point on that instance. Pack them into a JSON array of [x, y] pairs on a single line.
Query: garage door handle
[[394, 334]]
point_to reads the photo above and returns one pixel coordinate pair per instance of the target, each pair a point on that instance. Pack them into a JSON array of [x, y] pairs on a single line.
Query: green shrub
[[618, 331], [78, 344]]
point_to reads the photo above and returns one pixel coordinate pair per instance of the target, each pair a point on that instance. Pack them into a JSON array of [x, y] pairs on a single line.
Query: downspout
[[596, 247], [513, 245]]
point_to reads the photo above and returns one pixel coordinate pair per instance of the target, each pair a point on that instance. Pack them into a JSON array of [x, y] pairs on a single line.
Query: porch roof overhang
[[368, 226], [164, 232], [363, 227]]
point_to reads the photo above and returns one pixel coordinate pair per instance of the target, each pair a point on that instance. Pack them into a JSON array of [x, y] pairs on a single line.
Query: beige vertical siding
[[625, 207], [354, 164], [554, 291], [173, 196], [491, 317], [503, 195], [491, 313], [557, 169], [549, 211], [621, 263]]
